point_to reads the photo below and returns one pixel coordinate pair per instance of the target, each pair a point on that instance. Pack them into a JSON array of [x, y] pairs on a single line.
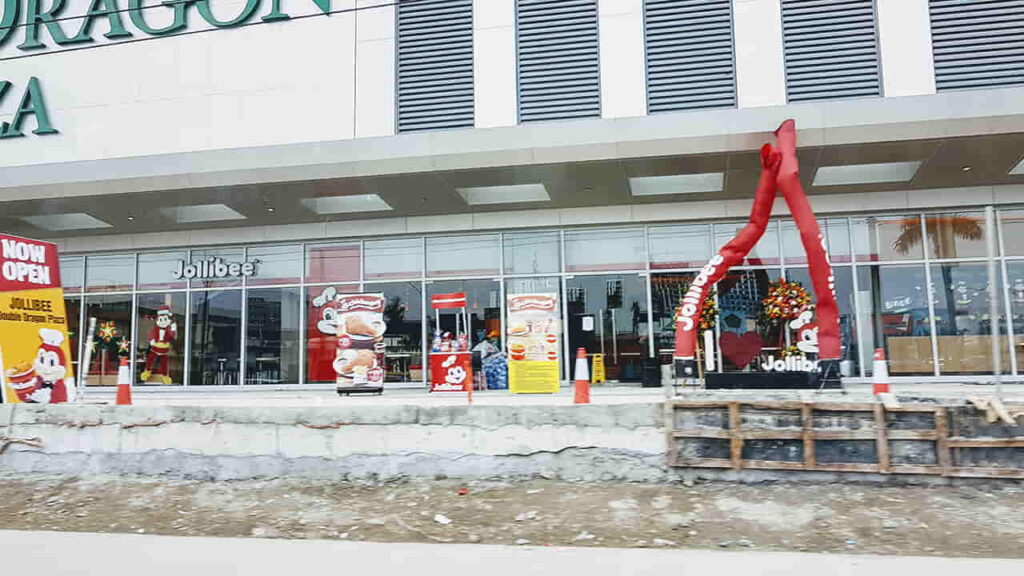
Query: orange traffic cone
[[582, 384], [124, 383], [881, 373]]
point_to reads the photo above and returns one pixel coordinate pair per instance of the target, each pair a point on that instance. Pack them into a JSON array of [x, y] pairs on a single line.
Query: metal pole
[[993, 298]]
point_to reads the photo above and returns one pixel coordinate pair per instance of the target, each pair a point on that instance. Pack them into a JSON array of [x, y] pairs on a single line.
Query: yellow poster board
[[533, 377], [33, 324], [534, 336]]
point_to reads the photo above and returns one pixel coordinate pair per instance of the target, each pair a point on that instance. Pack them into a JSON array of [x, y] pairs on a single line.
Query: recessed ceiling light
[[1018, 170], [203, 213], [131, 218], [677, 184], [476, 195], [866, 173], [342, 204], [967, 168], [73, 221], [269, 209]]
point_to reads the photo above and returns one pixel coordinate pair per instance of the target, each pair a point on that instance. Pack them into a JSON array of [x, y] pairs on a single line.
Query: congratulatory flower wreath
[[785, 300], [708, 312]]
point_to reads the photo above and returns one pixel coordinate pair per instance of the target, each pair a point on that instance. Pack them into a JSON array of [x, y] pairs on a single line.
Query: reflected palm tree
[[942, 232]]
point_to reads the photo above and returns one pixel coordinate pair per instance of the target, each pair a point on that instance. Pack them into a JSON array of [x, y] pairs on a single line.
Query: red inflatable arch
[[779, 172]]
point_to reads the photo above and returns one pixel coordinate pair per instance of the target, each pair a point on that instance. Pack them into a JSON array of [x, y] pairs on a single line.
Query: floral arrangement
[[790, 350], [708, 312], [785, 300]]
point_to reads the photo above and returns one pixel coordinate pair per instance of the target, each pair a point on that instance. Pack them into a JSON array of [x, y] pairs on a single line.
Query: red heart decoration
[[740, 350]]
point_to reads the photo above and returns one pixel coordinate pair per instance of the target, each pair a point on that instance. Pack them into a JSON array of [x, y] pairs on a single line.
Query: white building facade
[[598, 149]]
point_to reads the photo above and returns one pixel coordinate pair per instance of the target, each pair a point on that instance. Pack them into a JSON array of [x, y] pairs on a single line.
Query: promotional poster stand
[[451, 361], [360, 326]]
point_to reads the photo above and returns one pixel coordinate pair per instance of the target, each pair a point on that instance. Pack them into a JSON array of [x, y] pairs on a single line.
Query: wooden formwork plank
[[882, 439], [703, 433], [705, 463], [820, 434], [979, 472], [848, 467], [914, 469], [942, 439], [869, 406], [736, 441], [773, 465], [772, 434], [929, 435], [669, 413], [694, 404], [1016, 442], [807, 421]]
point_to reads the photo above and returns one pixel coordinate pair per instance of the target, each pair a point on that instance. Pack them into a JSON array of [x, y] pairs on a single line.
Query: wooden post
[[735, 439], [807, 420], [882, 439], [941, 442]]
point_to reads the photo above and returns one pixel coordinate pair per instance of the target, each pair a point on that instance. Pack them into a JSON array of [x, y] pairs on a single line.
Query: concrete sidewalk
[[324, 395], [52, 553]]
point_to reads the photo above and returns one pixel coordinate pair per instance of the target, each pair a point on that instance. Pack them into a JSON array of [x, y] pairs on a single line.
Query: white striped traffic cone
[[881, 373]]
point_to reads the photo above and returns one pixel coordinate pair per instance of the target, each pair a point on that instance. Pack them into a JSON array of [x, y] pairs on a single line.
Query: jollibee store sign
[[35, 352]]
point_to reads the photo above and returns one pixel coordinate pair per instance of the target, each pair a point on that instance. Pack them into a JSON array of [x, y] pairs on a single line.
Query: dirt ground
[[977, 521]]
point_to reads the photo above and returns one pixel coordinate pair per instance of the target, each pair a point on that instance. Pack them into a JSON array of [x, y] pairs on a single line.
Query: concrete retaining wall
[[596, 442]]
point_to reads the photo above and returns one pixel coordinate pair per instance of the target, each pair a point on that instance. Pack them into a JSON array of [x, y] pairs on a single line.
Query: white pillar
[[623, 70], [760, 63], [495, 95], [905, 38], [375, 68]]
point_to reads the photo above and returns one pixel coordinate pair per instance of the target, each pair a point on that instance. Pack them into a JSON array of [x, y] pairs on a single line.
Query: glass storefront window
[[765, 252], [744, 334], [615, 306], [273, 336], [483, 304], [73, 308], [962, 322], [847, 319], [1011, 227], [227, 255], [393, 258], [1015, 282], [113, 314], [110, 273], [532, 253], [687, 246], [335, 262], [72, 273], [276, 265], [837, 241], [160, 343], [543, 285], [882, 238], [956, 235], [321, 335], [216, 337], [403, 313], [156, 270], [613, 249], [463, 255], [667, 290], [894, 303]]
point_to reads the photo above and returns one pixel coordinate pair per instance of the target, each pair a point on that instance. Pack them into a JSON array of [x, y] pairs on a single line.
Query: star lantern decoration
[[108, 331]]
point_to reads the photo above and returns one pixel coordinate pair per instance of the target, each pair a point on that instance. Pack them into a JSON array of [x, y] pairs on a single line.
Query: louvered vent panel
[[435, 65], [689, 55], [559, 69], [977, 43], [831, 49]]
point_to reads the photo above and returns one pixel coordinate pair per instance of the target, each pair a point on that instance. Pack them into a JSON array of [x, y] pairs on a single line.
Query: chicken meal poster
[[35, 354], [360, 327], [533, 343]]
